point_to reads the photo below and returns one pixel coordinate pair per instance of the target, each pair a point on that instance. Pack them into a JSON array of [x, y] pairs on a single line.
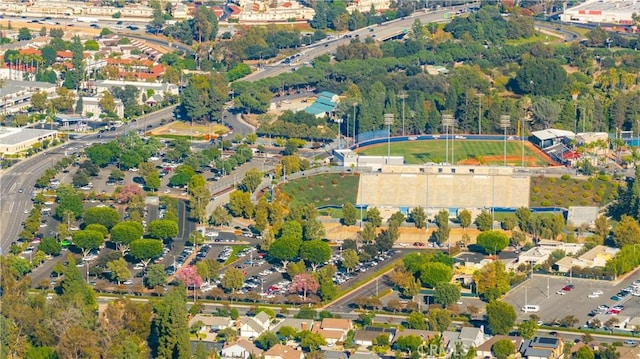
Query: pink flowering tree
[[190, 277], [128, 192], [305, 283]]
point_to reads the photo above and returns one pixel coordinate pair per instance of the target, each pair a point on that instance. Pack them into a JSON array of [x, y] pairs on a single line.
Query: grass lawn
[[323, 189], [565, 192], [234, 254], [466, 152]]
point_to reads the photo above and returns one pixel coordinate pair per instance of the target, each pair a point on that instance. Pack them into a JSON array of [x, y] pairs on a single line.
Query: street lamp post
[[339, 121], [505, 122], [388, 120], [403, 95], [447, 121]]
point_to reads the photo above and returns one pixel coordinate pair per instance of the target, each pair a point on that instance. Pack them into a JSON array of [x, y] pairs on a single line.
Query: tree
[[107, 103], [145, 249], [446, 293], [484, 221], [310, 341], [584, 352], [492, 242], [503, 348], [348, 214], [105, 216], [124, 233], [190, 277], [208, 269], [156, 276], [501, 317], [152, 181], [170, 327], [240, 204], [203, 97], [267, 340], [409, 343], [492, 278], [305, 283], [69, 200], [349, 259], [528, 329], [433, 273], [162, 229], [626, 232], [119, 270], [419, 217], [50, 246], [416, 320], [87, 240], [220, 216], [285, 249], [374, 217], [287, 332], [233, 279], [602, 226], [464, 217], [442, 220], [315, 252], [540, 77], [438, 319], [251, 180], [24, 34]]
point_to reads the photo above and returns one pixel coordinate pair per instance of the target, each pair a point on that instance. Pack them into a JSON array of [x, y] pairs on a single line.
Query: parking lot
[[543, 291]]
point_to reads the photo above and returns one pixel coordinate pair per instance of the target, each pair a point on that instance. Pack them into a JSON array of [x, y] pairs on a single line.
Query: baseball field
[[464, 152]]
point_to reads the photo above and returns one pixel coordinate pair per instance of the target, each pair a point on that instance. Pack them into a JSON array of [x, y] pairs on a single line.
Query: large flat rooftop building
[[14, 140], [602, 11]]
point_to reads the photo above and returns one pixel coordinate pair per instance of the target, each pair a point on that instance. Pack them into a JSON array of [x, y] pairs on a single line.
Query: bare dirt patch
[[179, 128]]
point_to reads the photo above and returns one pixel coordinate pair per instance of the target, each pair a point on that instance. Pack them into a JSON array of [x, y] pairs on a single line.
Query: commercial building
[[15, 95], [147, 89], [14, 140], [602, 11]]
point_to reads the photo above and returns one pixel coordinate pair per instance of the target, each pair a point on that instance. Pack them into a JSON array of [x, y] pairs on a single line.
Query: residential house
[[333, 329], [297, 324], [365, 337], [334, 354], [254, 326], [426, 335], [364, 355], [551, 245], [280, 351], [542, 348], [242, 348], [211, 323], [627, 352], [468, 337], [596, 257], [484, 350], [535, 256], [209, 346]]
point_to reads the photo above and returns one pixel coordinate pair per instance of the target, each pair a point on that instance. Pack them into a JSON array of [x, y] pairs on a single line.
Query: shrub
[[584, 202], [603, 177], [572, 197], [550, 188], [559, 202], [545, 203], [552, 180], [586, 195], [534, 198], [574, 189], [597, 199], [602, 186], [565, 177], [536, 189], [587, 186], [547, 195], [563, 184], [600, 193]]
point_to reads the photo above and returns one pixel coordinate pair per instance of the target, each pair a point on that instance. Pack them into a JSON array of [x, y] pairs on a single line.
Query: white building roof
[[552, 133]]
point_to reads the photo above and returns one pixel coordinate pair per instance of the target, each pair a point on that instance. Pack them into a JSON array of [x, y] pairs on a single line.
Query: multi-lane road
[[17, 182]]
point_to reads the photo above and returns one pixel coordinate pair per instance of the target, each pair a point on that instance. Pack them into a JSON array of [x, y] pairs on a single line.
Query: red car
[[568, 288]]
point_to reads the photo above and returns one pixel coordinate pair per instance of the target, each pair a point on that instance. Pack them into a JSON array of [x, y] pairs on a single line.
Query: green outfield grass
[[323, 189], [464, 151]]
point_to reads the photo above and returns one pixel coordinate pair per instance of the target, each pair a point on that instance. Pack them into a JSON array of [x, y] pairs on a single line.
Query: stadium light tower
[[355, 104], [403, 95], [388, 120], [523, 132], [447, 121], [480, 112], [505, 122]]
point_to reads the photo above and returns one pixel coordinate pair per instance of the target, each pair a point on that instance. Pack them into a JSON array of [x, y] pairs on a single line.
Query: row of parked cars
[[225, 254], [633, 289]]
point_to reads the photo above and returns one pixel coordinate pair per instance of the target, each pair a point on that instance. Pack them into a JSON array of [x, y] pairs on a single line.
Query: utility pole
[[403, 95]]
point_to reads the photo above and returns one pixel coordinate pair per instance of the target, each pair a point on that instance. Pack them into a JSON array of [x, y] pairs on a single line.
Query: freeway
[[383, 31], [18, 181]]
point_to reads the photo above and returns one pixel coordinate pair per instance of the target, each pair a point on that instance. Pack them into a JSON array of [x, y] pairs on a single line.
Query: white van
[[531, 308]]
